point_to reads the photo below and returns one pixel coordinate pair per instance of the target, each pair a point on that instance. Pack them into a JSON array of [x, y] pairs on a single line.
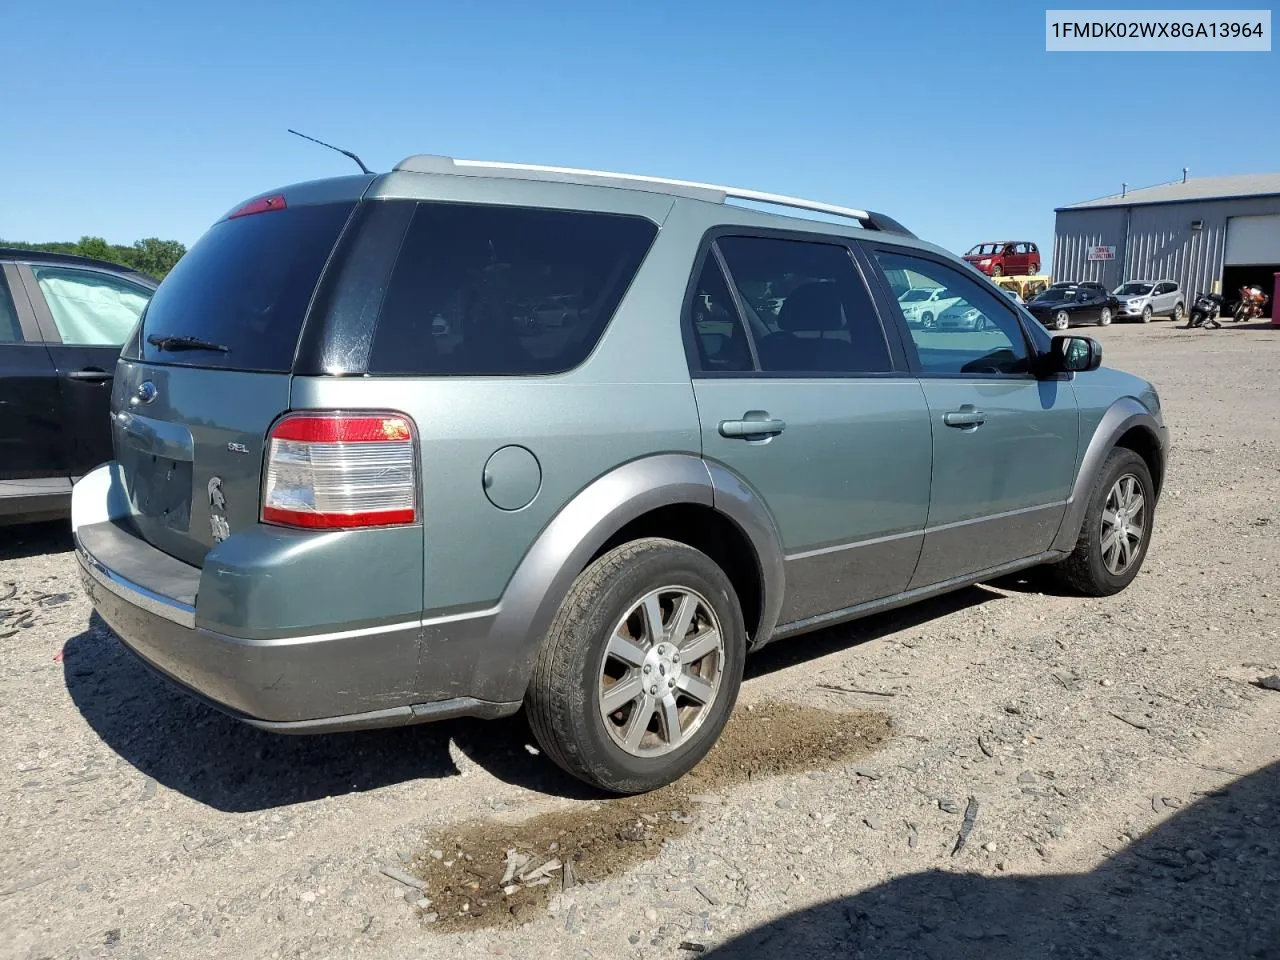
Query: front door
[[85, 316], [803, 396], [1004, 442]]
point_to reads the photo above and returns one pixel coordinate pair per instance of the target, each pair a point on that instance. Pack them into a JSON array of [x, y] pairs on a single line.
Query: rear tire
[[1061, 320], [611, 630], [1108, 554], [1178, 311], [1104, 318]]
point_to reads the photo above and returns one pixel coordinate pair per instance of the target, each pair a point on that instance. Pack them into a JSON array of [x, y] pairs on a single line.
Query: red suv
[[1008, 258]]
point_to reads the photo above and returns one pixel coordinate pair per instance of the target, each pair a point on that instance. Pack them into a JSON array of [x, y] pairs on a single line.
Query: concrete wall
[[1160, 242]]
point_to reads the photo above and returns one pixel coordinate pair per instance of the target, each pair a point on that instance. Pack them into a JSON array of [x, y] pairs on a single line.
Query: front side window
[[504, 291], [977, 333], [807, 307], [90, 308], [9, 331]]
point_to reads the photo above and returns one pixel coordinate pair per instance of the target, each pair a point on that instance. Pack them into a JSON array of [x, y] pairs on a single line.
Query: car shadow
[[21, 541], [1205, 883], [794, 651], [212, 758], [217, 760]]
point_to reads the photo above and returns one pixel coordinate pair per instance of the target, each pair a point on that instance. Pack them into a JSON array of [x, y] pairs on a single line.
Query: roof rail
[[712, 192]]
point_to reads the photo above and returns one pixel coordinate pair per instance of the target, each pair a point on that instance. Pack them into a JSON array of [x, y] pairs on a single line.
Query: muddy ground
[[1117, 768]]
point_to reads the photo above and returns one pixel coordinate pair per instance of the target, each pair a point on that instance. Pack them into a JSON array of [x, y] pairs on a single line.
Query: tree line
[[151, 256]]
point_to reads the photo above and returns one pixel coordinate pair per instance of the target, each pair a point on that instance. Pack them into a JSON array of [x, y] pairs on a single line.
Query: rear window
[[245, 286], [504, 291]]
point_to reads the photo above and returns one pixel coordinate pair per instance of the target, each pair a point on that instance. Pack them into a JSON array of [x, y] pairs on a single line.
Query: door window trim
[[48, 329], [27, 325], [707, 247], [885, 292]]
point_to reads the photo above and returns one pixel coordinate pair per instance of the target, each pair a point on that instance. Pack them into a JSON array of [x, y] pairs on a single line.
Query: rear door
[[32, 466], [85, 316], [801, 393], [1021, 260], [1004, 443], [208, 371]]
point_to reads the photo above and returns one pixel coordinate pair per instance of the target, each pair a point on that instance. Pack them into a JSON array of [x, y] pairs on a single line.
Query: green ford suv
[[466, 437]]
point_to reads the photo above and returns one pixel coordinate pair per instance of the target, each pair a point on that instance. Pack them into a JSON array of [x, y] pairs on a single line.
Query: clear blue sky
[[151, 119]]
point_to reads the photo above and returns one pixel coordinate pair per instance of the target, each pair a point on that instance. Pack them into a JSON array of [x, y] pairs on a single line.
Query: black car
[[1066, 303], [63, 320]]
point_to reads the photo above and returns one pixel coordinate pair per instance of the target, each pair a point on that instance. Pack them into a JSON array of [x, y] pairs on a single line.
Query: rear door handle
[[966, 416], [751, 429], [90, 375]]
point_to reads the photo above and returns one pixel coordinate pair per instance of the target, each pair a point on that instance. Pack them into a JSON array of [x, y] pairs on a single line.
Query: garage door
[[1253, 240]]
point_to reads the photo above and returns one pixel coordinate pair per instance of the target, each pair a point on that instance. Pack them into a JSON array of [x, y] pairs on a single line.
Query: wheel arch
[[653, 496], [1128, 424]]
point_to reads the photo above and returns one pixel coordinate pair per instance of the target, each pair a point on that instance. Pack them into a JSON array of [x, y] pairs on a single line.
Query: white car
[[921, 306]]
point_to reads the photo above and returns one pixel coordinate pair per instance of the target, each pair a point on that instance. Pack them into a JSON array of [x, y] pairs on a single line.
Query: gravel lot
[[1120, 771]]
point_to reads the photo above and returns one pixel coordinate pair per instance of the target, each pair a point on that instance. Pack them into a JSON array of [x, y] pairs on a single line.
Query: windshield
[[1058, 293], [915, 295], [244, 288], [1133, 290]]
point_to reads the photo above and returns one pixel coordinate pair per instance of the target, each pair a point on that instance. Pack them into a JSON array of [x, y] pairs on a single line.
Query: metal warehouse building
[[1213, 234]]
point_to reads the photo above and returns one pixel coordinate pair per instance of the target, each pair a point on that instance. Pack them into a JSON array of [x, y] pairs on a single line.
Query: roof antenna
[[1184, 174], [345, 153], [1124, 190]]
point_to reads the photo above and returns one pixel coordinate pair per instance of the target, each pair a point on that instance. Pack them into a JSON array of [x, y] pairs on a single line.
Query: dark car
[[63, 320], [1011, 258], [1064, 304]]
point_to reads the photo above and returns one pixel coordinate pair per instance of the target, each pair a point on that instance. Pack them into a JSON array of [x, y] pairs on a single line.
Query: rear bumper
[[301, 683]]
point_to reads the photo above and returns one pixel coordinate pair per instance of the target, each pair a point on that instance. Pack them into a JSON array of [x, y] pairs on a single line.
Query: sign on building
[[1102, 253]]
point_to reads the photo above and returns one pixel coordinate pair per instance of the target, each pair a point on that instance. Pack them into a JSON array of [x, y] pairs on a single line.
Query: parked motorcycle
[[1205, 311], [1252, 300]]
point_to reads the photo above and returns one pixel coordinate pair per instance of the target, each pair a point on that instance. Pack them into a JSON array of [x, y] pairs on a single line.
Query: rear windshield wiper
[[185, 343]]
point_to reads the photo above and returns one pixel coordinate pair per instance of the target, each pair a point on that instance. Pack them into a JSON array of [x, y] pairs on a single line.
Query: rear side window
[[504, 291], [244, 286], [807, 306]]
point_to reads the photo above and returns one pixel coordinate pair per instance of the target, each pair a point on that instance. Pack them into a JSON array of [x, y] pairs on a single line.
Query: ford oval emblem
[[146, 392]]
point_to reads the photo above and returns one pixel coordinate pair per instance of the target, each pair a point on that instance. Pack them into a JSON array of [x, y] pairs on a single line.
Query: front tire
[[641, 667], [1146, 313], [926, 320], [1116, 530], [997, 271]]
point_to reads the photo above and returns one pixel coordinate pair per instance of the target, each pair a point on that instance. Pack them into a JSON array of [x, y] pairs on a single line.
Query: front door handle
[[752, 427], [90, 375], [967, 417]]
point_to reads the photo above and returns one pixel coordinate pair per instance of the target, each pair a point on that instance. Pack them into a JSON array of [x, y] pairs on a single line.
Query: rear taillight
[[327, 471]]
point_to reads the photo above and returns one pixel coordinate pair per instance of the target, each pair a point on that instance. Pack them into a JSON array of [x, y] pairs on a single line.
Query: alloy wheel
[[1124, 523], [661, 672], [1060, 320], [1104, 318], [1146, 314]]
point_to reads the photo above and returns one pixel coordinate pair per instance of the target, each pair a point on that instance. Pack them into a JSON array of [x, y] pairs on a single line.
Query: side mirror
[[1075, 354]]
